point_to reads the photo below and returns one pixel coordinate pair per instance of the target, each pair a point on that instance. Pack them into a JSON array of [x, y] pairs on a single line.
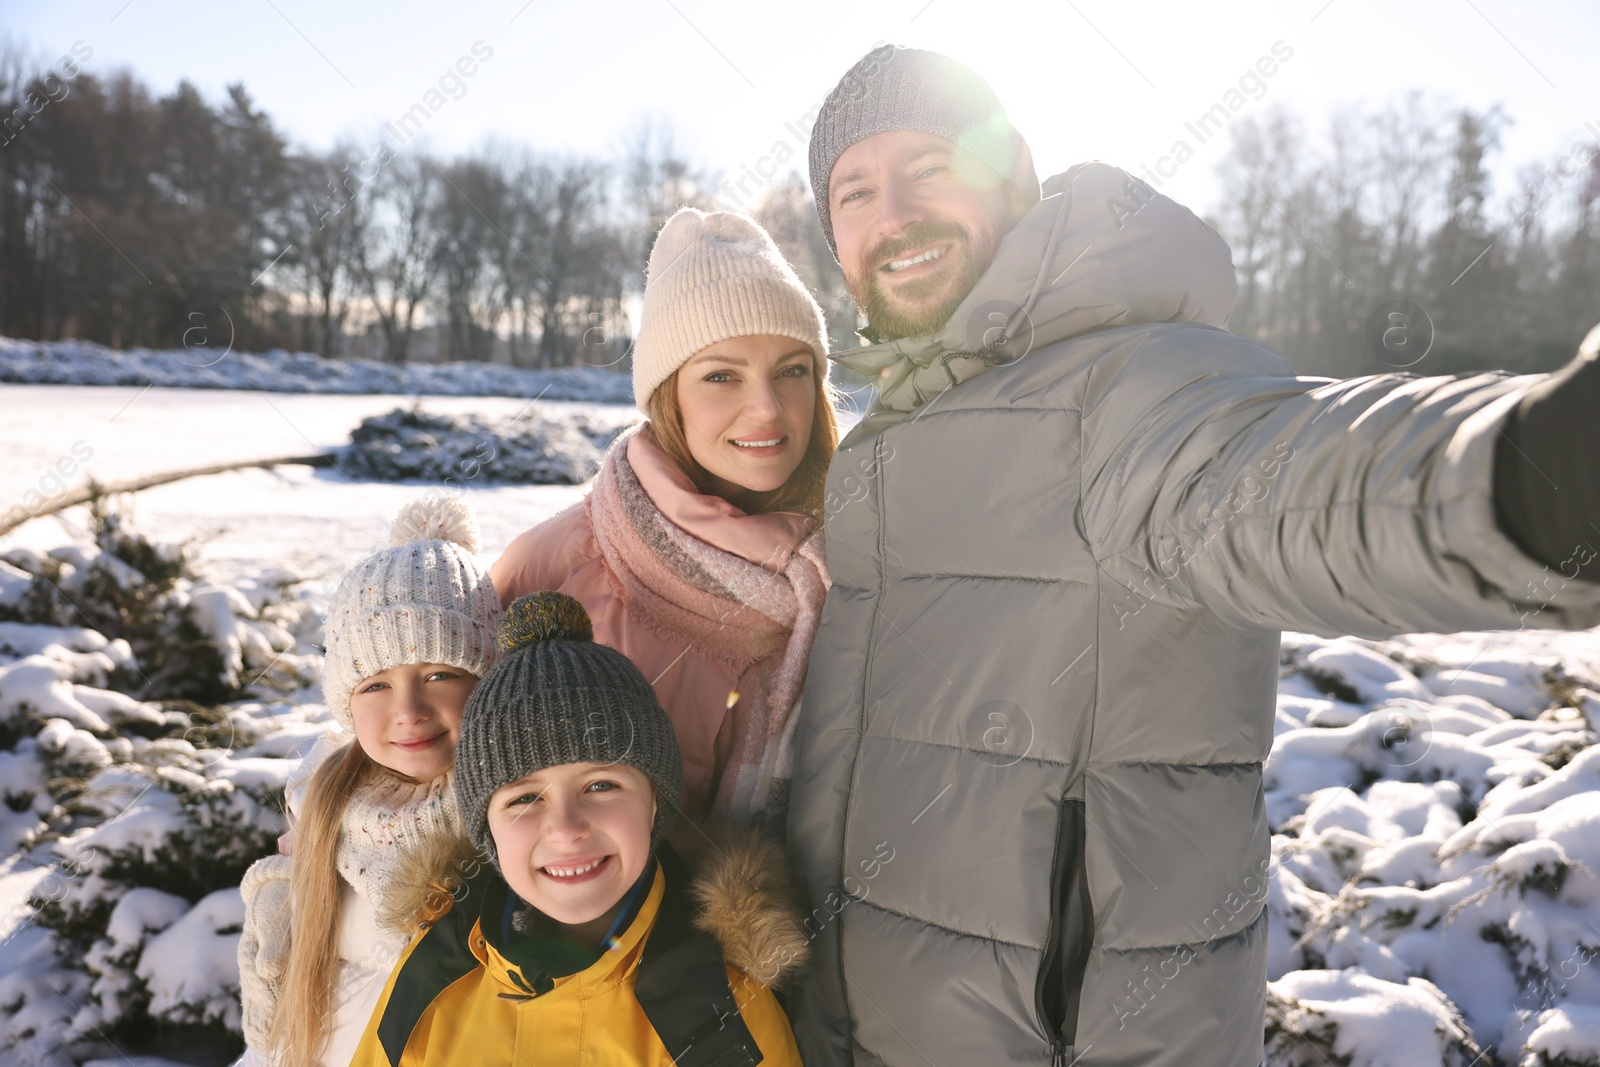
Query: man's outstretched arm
[[1213, 477]]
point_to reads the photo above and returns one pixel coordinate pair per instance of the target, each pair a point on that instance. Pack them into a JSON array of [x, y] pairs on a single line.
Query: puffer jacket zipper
[[1066, 947]]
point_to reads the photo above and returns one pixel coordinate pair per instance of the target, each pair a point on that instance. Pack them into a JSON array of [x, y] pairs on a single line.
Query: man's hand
[[1547, 469]]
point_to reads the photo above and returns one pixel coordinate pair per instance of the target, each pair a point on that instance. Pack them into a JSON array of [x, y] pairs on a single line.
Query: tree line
[[131, 218], [1382, 242]]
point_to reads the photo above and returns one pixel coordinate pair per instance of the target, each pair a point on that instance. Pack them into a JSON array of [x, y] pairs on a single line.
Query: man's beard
[[920, 307]]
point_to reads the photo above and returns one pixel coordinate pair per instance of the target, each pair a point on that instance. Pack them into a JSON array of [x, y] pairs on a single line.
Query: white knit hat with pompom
[[425, 599]]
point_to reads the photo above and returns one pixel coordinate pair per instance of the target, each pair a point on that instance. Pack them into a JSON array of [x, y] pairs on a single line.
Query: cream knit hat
[[712, 277], [425, 599]]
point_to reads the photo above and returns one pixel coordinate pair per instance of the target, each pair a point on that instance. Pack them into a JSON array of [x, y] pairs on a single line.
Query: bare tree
[[514, 218], [788, 212], [657, 179], [1408, 154], [577, 263], [1262, 180], [394, 256], [473, 194], [1396, 206], [326, 220]]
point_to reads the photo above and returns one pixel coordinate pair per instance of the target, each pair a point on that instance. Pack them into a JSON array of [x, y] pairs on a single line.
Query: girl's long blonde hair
[[301, 1022], [805, 489]]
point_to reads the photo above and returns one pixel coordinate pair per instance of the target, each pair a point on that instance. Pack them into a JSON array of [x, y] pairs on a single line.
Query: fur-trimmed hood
[[741, 885], [427, 881], [747, 902]]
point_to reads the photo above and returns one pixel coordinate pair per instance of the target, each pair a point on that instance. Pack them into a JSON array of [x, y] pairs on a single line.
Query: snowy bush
[[1435, 897], [1322, 1017], [456, 449], [1565, 1037], [160, 629], [145, 753], [85, 363]]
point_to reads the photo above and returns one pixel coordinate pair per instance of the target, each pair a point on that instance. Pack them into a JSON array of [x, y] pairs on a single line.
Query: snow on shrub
[[1432, 837], [1565, 1037], [192, 968], [1346, 1017], [117, 990], [530, 448], [130, 766], [160, 630]]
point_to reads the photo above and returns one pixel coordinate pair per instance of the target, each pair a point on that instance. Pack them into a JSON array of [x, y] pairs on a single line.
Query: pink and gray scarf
[[759, 620]]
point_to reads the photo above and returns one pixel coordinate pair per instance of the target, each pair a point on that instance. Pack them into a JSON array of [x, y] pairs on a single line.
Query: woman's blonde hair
[[300, 1023], [804, 490]]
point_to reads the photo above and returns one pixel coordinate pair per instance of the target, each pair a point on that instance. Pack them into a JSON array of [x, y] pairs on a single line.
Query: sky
[[737, 80]]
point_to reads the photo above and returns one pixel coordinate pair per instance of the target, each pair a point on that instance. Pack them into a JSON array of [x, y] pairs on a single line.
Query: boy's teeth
[[758, 444], [902, 264], [573, 872]]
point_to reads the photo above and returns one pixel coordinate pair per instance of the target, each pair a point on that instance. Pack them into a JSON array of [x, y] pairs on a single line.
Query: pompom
[[547, 616], [436, 517]]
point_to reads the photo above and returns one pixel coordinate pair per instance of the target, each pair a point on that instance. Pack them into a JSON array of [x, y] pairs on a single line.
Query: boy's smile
[[573, 839], [572, 873]]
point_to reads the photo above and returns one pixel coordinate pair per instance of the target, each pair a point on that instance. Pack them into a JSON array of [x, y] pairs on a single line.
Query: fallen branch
[[92, 489]]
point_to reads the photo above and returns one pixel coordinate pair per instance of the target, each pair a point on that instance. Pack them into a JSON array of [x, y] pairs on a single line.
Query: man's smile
[[929, 255]]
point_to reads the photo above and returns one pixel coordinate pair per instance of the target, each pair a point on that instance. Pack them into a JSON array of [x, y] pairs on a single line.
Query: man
[[1028, 792]]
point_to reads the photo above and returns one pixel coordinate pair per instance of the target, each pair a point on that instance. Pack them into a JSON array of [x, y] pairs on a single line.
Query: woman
[[698, 551]]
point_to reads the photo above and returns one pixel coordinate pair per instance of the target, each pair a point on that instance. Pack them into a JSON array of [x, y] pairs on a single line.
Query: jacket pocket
[[1066, 947]]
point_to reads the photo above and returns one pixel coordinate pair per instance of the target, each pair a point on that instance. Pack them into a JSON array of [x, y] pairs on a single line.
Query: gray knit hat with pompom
[[425, 599], [557, 697]]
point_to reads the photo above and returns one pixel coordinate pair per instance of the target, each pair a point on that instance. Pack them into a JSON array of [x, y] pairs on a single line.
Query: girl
[[585, 943], [698, 551], [409, 632]]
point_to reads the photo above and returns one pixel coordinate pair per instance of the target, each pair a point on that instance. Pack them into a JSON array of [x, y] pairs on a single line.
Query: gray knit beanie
[[557, 697], [894, 88], [427, 598]]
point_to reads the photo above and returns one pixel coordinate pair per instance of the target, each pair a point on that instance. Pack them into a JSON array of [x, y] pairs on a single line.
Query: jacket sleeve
[[1214, 477], [263, 945]]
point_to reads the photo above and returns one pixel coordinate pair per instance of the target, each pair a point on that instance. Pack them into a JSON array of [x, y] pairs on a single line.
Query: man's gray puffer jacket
[[1028, 783]]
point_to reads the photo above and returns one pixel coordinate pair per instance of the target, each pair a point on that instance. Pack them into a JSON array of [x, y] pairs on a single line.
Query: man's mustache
[[918, 235]]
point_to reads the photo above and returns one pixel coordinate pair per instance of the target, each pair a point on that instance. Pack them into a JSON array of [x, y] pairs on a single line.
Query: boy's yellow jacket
[[687, 982]]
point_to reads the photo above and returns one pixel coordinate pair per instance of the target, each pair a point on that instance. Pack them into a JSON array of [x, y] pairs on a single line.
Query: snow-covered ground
[[315, 519], [1435, 800]]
